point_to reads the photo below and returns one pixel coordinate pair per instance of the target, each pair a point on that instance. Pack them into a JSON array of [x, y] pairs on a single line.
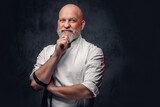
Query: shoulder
[[49, 48], [91, 47], [47, 51]]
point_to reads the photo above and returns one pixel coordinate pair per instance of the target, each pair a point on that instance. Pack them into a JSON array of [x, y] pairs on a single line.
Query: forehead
[[69, 12]]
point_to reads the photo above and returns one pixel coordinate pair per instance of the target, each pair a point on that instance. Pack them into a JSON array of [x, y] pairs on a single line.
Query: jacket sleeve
[[40, 60], [94, 71]]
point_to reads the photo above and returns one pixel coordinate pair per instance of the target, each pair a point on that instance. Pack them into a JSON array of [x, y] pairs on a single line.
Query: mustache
[[63, 29]]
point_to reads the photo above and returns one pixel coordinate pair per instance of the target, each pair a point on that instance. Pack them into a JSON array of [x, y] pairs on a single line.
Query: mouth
[[66, 31]]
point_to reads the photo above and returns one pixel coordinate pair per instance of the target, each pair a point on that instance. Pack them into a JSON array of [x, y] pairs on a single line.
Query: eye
[[62, 20], [72, 20]]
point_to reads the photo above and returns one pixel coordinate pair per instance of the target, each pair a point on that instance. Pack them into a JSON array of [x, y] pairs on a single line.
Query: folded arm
[[94, 70], [74, 92]]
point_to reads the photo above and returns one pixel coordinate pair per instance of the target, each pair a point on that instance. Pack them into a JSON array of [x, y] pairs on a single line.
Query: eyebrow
[[73, 18]]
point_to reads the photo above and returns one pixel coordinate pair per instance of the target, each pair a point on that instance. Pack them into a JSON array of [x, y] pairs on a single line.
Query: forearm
[[45, 72], [74, 92]]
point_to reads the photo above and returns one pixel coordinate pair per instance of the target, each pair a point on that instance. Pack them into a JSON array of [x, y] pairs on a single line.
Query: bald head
[[71, 9], [70, 21]]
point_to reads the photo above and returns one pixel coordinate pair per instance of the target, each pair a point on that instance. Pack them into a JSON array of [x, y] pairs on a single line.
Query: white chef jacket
[[82, 63]]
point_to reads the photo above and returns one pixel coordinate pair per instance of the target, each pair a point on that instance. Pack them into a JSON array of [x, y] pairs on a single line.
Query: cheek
[[60, 25], [75, 26]]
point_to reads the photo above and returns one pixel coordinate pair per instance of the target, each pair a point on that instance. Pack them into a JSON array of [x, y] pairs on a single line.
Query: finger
[[64, 36], [63, 43], [65, 39]]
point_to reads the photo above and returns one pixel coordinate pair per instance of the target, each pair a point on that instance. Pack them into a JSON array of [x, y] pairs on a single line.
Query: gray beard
[[72, 36]]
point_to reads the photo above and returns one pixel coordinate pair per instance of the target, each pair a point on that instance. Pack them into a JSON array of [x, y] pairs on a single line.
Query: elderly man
[[72, 70]]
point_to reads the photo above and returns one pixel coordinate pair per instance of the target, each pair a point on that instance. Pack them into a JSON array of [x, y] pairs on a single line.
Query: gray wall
[[125, 30]]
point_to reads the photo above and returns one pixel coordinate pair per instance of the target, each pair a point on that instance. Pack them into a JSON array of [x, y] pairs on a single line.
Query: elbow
[[87, 94], [34, 85], [90, 95]]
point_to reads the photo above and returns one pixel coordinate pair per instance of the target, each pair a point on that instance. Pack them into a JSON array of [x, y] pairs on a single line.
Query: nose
[[67, 25]]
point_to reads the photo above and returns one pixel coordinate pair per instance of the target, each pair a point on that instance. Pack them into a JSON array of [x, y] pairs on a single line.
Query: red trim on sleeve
[[103, 68]]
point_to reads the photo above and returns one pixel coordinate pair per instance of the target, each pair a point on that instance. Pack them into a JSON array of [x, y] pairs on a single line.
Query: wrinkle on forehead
[[72, 8]]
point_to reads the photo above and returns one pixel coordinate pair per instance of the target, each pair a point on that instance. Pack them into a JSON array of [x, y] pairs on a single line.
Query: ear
[[83, 24]]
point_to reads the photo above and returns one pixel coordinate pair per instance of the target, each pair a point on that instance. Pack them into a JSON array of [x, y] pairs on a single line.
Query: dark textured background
[[126, 30]]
